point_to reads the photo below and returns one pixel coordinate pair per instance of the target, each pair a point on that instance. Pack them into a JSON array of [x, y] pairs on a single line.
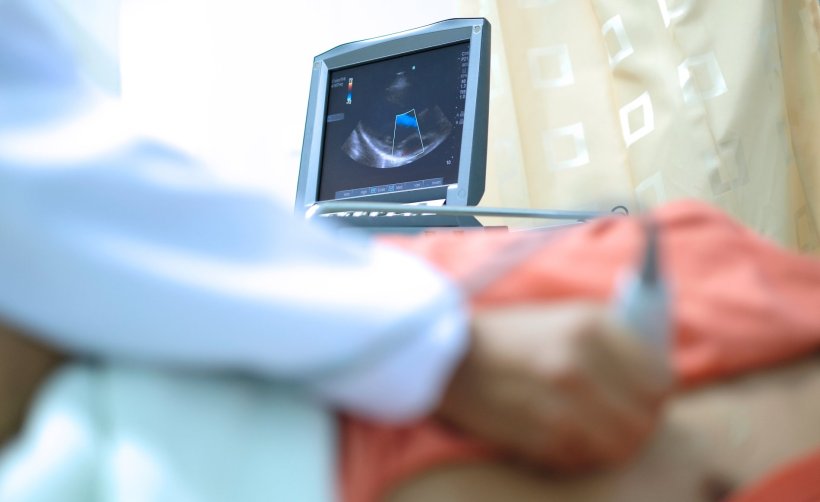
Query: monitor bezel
[[473, 155]]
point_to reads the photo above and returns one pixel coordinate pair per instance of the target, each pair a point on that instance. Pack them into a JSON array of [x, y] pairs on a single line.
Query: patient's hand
[[562, 385]]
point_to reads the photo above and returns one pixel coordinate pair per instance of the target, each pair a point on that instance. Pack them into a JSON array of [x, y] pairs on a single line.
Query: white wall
[[228, 80]]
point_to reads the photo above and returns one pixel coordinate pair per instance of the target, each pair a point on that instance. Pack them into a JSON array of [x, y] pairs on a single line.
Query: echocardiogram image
[[393, 122], [400, 144]]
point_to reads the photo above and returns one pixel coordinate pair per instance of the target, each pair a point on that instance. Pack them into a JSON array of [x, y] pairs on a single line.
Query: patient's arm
[[715, 438], [24, 364]]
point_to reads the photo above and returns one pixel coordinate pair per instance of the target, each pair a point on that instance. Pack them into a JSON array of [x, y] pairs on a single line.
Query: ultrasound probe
[[642, 302]]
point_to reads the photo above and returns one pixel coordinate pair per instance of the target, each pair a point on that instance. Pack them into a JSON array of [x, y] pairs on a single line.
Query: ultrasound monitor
[[400, 118]]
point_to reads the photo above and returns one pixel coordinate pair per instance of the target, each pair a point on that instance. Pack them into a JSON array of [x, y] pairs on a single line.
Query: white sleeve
[[114, 245]]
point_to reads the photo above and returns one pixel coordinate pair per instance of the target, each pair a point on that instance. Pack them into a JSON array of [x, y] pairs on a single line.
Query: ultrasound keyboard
[[399, 218], [391, 221]]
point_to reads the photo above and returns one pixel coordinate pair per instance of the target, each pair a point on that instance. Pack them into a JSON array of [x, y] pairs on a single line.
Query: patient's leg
[[24, 365], [713, 439]]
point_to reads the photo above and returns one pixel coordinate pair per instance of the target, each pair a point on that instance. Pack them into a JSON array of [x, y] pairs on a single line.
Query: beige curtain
[[596, 103]]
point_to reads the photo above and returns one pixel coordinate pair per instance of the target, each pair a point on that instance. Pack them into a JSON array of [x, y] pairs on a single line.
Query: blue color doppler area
[[407, 120]]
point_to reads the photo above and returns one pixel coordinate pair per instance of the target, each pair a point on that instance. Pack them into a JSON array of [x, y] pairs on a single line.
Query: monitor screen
[[400, 118], [395, 124]]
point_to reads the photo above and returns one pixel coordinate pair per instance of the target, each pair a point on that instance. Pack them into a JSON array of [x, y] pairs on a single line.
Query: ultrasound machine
[[396, 132]]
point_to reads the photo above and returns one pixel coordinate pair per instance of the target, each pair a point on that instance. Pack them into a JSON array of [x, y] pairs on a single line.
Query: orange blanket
[[739, 303]]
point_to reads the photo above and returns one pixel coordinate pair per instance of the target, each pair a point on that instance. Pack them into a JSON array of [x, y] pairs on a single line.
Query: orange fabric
[[739, 303], [797, 482]]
